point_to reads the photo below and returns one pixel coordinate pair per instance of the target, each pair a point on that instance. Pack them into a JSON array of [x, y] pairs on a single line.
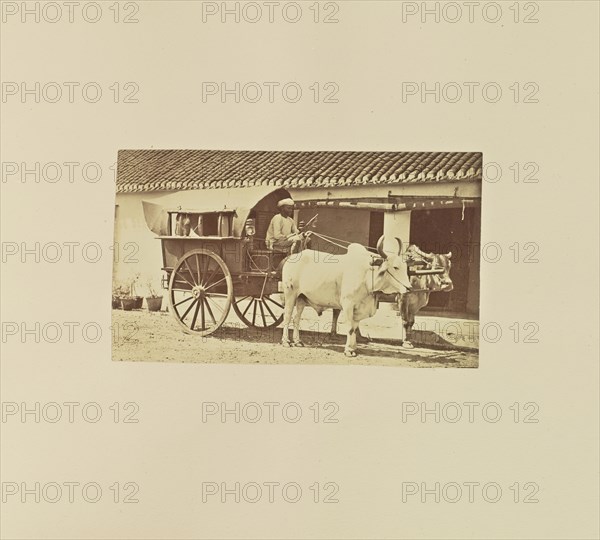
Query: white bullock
[[347, 282]]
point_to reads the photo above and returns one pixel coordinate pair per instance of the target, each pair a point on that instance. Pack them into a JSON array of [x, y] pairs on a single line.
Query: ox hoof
[[351, 354], [298, 344], [286, 344], [407, 345]]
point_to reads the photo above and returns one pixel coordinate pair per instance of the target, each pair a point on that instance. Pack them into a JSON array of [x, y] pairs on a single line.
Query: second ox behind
[[435, 279]]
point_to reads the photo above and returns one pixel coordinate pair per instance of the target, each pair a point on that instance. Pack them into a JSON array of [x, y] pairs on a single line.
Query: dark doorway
[[375, 228], [455, 230]]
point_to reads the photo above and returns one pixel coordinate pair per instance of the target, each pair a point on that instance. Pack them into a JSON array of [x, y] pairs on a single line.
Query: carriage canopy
[[237, 202]]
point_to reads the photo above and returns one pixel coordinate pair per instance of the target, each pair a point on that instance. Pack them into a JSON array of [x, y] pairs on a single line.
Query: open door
[[444, 230]]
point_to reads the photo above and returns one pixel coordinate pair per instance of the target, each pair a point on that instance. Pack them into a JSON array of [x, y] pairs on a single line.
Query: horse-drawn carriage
[[215, 256]]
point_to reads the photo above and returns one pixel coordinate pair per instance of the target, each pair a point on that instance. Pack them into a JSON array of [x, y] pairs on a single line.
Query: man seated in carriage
[[282, 234]]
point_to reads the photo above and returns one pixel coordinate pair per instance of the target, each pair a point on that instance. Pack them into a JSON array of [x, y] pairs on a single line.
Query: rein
[[335, 241], [328, 239]]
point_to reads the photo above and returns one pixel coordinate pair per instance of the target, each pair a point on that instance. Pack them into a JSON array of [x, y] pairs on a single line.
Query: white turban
[[285, 202]]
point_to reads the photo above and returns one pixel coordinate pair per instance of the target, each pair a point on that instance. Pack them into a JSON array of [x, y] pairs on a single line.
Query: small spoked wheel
[[200, 292], [265, 311]]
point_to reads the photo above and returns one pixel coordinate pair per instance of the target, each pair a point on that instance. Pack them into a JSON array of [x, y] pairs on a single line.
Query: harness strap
[[394, 277]]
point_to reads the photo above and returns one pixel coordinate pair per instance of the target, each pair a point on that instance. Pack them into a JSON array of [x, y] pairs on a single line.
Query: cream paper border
[[371, 453]]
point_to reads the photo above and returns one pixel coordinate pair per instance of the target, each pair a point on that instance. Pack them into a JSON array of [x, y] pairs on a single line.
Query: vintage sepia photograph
[[343, 242], [283, 257]]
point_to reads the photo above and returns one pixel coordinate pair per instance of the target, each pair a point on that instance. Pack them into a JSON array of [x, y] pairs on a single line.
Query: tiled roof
[[162, 170]]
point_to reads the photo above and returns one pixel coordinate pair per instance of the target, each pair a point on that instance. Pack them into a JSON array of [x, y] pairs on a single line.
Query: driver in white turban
[[282, 233]]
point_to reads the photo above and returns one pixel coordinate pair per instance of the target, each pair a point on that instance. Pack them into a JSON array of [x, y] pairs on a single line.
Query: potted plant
[[128, 303], [127, 297], [116, 297], [154, 301], [119, 292]]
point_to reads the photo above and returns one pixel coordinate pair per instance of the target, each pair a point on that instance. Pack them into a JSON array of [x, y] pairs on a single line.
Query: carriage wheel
[[265, 311], [200, 292]]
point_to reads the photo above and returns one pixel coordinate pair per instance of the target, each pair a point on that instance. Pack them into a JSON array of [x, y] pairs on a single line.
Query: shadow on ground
[[435, 353]]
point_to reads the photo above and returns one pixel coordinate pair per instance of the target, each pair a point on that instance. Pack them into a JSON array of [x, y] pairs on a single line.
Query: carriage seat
[[265, 259]]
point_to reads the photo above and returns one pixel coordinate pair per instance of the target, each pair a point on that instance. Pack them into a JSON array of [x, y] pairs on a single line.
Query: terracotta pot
[[154, 303], [138, 301], [127, 304], [116, 302]]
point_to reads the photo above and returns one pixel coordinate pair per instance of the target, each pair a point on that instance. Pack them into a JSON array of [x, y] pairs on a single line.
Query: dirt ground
[[156, 337]]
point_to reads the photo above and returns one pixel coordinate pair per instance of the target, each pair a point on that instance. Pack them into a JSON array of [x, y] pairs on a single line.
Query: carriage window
[[208, 225]]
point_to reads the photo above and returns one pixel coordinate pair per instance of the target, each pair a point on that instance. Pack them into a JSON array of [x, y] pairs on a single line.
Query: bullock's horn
[[449, 254], [418, 251], [380, 248], [399, 245]]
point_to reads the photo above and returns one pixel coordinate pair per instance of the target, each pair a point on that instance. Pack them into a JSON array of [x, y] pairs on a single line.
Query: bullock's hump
[[358, 252], [357, 249]]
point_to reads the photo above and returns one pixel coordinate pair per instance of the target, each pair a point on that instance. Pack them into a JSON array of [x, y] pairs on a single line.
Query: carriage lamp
[[250, 227]]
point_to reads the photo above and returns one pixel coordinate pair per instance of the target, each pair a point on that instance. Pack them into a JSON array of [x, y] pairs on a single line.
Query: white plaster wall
[[397, 224], [139, 252]]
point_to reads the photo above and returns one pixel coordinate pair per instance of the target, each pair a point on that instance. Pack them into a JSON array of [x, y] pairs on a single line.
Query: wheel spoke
[[254, 313], [262, 312], [207, 265], [216, 268], [180, 274], [237, 302], [202, 318], [269, 310], [195, 315], [188, 310], [210, 312], [215, 283], [247, 307], [191, 273], [215, 304], [274, 302], [198, 266], [184, 300]]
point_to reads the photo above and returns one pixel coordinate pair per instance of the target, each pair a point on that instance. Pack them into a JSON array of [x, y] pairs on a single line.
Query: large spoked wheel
[[200, 292], [264, 311]]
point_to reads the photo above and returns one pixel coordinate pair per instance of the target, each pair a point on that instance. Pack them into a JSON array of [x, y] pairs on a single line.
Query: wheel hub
[[198, 291]]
